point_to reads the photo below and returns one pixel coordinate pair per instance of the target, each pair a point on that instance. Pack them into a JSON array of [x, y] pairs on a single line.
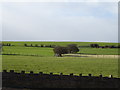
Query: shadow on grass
[[23, 55]]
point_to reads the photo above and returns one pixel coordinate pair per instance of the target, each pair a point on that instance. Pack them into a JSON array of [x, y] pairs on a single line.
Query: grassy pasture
[[46, 62], [19, 48], [44, 51], [65, 65]]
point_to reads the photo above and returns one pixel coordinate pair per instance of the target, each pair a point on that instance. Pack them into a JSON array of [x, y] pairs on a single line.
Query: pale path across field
[[95, 56]]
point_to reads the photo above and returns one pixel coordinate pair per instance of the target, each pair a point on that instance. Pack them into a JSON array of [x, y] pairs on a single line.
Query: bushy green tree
[[72, 48], [94, 45], [58, 51]]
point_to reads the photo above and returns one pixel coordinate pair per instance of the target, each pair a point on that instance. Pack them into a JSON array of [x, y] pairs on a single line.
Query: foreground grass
[[66, 65]]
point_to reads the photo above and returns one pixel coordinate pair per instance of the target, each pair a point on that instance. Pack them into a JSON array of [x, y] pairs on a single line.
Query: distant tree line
[[6, 44], [59, 50], [52, 46], [36, 45], [106, 46]]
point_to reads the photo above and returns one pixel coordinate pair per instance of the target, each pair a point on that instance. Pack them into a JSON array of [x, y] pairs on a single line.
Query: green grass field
[[66, 65], [19, 48], [46, 62]]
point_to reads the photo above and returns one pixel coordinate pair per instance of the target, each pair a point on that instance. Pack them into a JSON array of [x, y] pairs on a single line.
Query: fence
[[40, 80]]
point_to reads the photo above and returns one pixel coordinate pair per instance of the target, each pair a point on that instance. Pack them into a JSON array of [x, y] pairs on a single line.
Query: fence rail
[[39, 80]]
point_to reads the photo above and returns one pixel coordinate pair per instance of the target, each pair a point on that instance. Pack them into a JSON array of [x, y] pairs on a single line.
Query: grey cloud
[[49, 23]]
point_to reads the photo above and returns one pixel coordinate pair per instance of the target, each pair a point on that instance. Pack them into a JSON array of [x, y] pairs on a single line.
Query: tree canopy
[[71, 48]]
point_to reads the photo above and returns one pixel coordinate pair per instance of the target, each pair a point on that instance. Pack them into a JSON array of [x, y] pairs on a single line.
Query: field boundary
[[36, 81], [68, 55]]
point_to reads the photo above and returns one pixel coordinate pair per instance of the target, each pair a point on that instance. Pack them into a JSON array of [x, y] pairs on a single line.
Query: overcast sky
[[75, 21]]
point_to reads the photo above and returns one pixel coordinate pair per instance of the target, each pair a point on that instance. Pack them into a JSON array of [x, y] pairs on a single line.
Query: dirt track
[[95, 56]]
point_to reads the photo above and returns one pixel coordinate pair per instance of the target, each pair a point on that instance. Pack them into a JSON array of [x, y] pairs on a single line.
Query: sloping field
[[45, 51], [66, 65], [89, 60]]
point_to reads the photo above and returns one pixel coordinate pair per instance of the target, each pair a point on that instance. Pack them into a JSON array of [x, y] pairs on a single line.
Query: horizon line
[[63, 41]]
